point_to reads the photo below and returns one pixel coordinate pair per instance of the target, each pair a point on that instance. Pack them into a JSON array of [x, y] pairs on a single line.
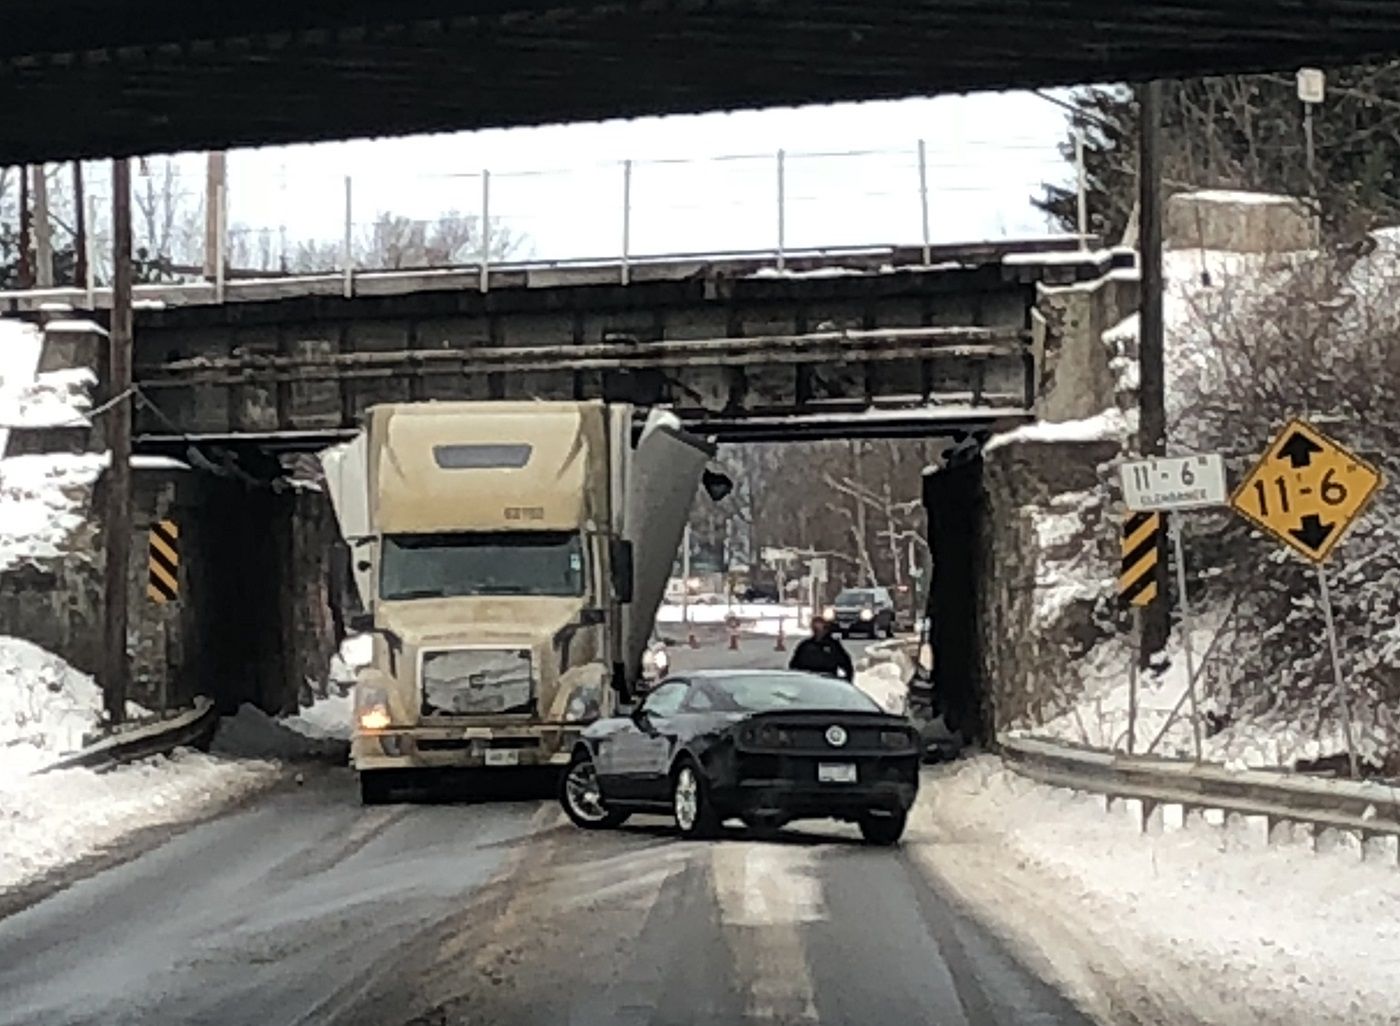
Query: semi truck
[[510, 558]]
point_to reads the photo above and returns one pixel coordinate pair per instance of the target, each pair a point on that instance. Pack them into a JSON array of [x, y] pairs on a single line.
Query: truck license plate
[[836, 772], [502, 757]]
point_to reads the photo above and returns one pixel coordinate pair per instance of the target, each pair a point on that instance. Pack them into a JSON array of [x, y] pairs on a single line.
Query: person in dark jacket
[[822, 653]]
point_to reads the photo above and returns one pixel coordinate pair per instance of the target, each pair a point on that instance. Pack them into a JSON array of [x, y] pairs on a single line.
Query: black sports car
[[767, 746]]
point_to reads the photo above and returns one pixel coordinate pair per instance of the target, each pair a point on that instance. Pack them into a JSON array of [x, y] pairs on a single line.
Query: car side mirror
[[361, 623], [620, 553], [639, 713]]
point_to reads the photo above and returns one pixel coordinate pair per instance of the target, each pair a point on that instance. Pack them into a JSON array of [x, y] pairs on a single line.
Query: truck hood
[[489, 620]]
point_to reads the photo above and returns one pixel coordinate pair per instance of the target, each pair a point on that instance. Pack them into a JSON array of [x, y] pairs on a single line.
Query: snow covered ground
[[754, 617], [46, 707], [55, 819], [1199, 924]]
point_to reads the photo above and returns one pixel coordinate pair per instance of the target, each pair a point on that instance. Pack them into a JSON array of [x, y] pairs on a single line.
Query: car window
[[666, 699], [698, 700], [762, 692], [852, 597]]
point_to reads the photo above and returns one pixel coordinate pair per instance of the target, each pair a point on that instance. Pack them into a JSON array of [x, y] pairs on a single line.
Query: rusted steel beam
[[972, 343]]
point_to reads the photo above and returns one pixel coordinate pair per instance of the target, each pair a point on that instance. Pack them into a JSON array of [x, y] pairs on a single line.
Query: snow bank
[[1199, 924], [888, 684], [21, 345], [328, 718], [41, 501], [252, 733], [55, 819], [1109, 425], [46, 707]]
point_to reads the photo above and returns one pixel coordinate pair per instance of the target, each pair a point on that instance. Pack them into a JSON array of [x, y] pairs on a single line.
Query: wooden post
[[80, 230], [43, 231], [215, 171], [26, 264], [117, 520]]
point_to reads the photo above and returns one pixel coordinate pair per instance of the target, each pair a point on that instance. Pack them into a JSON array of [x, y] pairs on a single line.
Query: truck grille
[[477, 682]]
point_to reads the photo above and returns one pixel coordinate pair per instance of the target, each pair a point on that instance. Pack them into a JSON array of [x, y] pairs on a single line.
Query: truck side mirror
[[360, 623], [620, 555]]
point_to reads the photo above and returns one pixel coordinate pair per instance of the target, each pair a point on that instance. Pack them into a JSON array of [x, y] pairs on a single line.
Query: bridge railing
[[241, 217]]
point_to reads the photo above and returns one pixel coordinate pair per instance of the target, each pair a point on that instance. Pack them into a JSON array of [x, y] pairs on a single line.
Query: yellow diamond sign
[[1306, 490]]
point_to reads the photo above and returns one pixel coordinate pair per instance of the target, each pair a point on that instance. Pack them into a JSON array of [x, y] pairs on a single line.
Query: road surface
[[755, 651], [307, 909]]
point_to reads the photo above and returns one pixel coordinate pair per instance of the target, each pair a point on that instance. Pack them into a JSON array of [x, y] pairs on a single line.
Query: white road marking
[[766, 893]]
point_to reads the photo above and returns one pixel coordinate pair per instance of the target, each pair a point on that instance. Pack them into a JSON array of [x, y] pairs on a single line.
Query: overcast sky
[[702, 183], [561, 187]]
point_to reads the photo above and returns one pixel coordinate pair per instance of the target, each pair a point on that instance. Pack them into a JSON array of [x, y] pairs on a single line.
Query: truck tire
[[375, 788]]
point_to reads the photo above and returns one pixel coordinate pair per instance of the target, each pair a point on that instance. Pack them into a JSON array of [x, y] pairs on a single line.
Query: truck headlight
[[584, 703], [372, 708], [867, 614], [661, 661], [829, 613]]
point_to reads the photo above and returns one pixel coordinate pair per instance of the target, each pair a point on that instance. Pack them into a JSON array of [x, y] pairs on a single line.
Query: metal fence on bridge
[[621, 211]]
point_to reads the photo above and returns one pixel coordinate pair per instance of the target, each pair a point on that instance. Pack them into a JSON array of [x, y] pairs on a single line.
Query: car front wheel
[[582, 797], [696, 817], [883, 830]]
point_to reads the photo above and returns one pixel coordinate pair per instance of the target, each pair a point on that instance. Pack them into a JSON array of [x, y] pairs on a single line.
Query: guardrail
[[1366, 808], [190, 728]]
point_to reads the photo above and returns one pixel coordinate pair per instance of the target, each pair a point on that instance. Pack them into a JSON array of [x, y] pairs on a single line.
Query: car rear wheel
[[582, 797], [883, 829], [696, 817]]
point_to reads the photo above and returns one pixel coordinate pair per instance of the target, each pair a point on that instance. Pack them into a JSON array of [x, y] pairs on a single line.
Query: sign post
[[1151, 487], [1186, 627], [1306, 491]]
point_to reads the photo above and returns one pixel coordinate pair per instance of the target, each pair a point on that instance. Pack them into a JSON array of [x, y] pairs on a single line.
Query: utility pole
[[115, 667], [1152, 413]]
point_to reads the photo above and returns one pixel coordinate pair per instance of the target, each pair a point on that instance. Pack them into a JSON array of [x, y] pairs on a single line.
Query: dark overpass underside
[[110, 77]]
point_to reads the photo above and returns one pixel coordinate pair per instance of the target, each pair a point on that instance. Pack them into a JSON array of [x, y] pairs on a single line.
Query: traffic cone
[[781, 646], [733, 641], [693, 641]]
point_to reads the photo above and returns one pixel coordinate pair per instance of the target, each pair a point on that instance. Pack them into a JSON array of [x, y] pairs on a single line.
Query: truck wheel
[[376, 788], [696, 817], [883, 830], [582, 798]]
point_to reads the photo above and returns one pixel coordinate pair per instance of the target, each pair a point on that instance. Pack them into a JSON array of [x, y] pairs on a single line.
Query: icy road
[[308, 909]]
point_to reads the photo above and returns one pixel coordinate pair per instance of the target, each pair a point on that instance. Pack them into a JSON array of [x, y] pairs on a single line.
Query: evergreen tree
[[1245, 132]]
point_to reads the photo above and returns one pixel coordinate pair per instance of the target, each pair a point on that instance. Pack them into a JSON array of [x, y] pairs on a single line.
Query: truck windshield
[[481, 563]]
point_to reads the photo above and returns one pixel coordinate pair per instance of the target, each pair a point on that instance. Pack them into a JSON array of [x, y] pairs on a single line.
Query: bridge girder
[[143, 76]]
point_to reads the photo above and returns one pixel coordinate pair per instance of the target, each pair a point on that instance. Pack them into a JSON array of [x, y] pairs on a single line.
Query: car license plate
[[502, 757], [836, 772]]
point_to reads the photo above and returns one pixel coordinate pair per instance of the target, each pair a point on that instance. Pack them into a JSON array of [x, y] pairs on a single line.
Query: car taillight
[[768, 736], [773, 737]]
